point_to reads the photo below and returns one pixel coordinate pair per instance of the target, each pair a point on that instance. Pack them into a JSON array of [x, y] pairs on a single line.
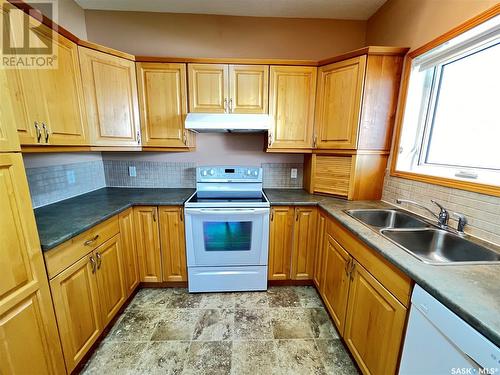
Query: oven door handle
[[226, 211]]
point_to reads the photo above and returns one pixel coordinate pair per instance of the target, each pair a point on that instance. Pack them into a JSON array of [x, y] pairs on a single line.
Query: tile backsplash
[[57, 182], [54, 183], [482, 211]]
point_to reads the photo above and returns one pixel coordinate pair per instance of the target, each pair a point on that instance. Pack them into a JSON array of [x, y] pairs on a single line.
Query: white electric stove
[[227, 230]]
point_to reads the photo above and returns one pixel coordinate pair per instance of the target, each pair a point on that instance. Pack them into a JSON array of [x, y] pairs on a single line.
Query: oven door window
[[227, 235]]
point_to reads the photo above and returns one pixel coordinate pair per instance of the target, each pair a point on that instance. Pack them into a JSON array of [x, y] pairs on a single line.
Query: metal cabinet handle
[[138, 137], [272, 214], [181, 214], [154, 215], [315, 140], [347, 267], [46, 130], [296, 214], [225, 105], [185, 138], [352, 268], [99, 260], [231, 105], [38, 132], [269, 139], [92, 240], [93, 263]]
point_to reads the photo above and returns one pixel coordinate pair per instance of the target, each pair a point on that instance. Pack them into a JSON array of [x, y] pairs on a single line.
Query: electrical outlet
[[70, 177], [293, 173], [132, 172]]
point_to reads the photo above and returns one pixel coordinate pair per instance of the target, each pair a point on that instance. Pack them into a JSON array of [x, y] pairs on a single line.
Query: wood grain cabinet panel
[[374, 325], [173, 245], [110, 278], [28, 330], [292, 91], [77, 307], [147, 238], [320, 251], [248, 88], [129, 251], [340, 89], [10, 113], [208, 88], [163, 104], [304, 243], [280, 242], [110, 91]]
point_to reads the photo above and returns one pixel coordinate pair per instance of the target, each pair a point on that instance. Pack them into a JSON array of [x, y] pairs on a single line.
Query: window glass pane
[[466, 126], [227, 235]]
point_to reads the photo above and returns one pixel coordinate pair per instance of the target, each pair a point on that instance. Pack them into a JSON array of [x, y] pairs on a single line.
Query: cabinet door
[[291, 99], [321, 241], [208, 88], [173, 246], [163, 104], [9, 141], [336, 281], [374, 325], [58, 95], [248, 88], [280, 243], [148, 243], [110, 278], [29, 341], [304, 243], [340, 88], [129, 252], [76, 303], [110, 91]]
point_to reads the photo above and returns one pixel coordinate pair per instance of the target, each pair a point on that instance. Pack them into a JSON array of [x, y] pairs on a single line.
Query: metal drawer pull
[[93, 263], [38, 132], [99, 260], [92, 240]]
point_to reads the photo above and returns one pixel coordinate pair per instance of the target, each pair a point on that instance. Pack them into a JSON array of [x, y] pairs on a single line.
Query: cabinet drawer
[[69, 252], [332, 174], [394, 280]]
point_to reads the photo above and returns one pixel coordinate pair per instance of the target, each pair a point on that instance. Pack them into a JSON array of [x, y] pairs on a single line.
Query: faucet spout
[[442, 217]]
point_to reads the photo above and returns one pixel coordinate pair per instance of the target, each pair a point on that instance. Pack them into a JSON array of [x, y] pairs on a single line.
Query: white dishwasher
[[439, 342]]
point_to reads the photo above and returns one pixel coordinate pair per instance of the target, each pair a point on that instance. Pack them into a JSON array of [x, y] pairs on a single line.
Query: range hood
[[228, 123]]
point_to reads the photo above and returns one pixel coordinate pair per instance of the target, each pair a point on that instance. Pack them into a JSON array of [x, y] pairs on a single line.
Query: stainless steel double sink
[[424, 240]]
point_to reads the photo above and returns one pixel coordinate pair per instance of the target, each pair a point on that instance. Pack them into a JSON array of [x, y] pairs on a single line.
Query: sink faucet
[[442, 217]]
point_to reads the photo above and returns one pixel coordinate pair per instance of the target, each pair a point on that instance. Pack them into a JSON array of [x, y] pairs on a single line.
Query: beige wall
[[194, 35], [70, 16], [412, 23]]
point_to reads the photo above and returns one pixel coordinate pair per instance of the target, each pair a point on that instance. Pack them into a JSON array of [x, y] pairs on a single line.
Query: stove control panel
[[228, 174]]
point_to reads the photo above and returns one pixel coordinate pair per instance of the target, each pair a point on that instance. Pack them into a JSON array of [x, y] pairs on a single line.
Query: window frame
[[428, 178]]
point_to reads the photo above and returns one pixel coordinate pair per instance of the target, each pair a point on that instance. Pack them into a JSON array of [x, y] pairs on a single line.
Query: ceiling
[[333, 9]]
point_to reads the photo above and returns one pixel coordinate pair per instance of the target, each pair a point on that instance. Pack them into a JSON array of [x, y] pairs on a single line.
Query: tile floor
[[285, 330]]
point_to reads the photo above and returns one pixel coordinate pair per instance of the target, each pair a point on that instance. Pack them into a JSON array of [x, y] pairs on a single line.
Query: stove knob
[[255, 173], [249, 172], [211, 172], [204, 172]]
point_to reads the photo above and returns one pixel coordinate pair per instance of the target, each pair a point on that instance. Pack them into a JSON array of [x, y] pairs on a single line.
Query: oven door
[[227, 236]]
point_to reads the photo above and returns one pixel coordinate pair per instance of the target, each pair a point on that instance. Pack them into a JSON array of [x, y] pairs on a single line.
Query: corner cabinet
[[292, 91], [110, 91], [163, 106], [222, 88]]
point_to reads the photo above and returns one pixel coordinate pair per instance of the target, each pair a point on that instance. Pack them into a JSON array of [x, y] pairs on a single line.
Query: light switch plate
[[132, 172], [293, 173], [70, 177]]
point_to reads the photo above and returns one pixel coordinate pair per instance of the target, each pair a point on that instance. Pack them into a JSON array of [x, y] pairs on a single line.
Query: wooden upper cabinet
[[173, 245], [248, 88], [163, 104], [9, 141], [129, 252], [291, 101], [304, 243], [340, 89], [29, 341], [208, 88], [280, 242], [374, 324], [147, 238], [110, 91]]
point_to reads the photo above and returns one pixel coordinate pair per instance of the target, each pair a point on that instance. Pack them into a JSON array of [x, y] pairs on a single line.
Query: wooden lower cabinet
[[280, 242], [129, 251], [375, 324], [320, 246], [110, 278], [173, 244], [335, 287], [148, 243], [304, 243], [29, 341]]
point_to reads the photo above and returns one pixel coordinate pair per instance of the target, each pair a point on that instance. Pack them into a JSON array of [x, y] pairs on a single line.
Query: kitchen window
[[450, 128]]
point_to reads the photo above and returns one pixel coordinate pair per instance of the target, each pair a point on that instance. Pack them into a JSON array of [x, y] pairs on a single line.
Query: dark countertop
[[64, 220], [471, 291]]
